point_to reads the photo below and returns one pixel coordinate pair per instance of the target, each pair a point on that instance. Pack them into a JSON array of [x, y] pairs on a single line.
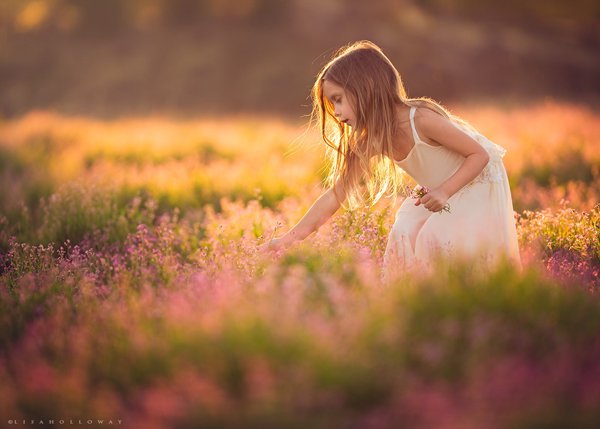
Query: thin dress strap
[[413, 109]]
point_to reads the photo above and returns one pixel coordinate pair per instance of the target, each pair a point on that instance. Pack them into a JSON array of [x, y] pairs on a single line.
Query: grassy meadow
[[131, 288]]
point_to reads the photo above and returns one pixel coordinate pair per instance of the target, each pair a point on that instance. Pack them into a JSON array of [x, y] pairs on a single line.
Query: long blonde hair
[[362, 156]]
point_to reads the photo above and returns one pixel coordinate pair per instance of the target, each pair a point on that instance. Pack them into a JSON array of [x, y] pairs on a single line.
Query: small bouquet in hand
[[420, 192]]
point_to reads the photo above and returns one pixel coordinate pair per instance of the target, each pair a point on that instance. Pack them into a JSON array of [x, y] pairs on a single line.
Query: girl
[[372, 127]]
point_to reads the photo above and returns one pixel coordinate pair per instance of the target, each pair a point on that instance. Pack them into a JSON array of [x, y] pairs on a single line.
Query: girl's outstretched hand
[[275, 245]]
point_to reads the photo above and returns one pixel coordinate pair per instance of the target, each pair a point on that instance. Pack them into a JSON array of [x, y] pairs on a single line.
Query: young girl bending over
[[462, 206]]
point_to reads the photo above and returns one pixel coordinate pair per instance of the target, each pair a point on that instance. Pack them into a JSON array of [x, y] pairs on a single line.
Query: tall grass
[[129, 291]]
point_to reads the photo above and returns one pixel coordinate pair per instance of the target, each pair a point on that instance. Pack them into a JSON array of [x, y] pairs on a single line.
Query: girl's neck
[[402, 113], [402, 119]]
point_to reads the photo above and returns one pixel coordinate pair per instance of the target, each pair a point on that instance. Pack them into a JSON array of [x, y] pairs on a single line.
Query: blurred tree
[[182, 12], [97, 16], [100, 17], [145, 54], [551, 14]]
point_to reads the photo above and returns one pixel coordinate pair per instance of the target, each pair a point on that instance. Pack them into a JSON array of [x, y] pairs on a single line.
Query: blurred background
[[109, 58], [148, 146]]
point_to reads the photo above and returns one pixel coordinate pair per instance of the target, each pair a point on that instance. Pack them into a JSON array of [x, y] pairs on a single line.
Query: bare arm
[[321, 210], [436, 128], [440, 130]]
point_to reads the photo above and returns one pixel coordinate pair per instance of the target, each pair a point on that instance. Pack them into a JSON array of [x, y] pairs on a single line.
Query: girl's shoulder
[[427, 124], [425, 110], [425, 117]]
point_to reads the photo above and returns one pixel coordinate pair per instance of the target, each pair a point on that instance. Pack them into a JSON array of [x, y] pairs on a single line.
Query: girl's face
[[344, 110]]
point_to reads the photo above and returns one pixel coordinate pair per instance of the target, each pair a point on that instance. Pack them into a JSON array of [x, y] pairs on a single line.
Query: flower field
[[131, 287]]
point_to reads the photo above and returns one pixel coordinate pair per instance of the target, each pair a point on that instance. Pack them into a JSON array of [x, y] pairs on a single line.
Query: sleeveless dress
[[480, 225]]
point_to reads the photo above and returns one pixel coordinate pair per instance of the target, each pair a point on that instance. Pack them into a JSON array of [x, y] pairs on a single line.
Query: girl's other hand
[[275, 245], [434, 200]]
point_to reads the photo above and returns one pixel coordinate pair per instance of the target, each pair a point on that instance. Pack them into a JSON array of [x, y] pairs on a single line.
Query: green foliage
[[373, 352], [573, 166], [78, 211], [133, 308], [565, 229]]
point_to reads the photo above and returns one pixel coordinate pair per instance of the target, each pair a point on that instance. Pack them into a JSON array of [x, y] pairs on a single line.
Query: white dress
[[480, 225]]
